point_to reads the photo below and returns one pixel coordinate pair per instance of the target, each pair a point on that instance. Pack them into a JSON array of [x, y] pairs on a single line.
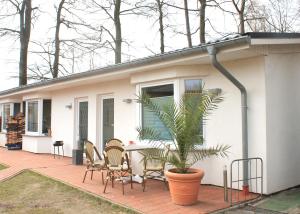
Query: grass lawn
[[2, 166], [32, 193]]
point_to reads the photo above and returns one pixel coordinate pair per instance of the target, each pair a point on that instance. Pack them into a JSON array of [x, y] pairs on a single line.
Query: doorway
[[82, 123], [107, 119]]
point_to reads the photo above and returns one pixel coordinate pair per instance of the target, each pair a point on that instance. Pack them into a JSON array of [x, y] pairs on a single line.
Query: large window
[[38, 116], [32, 116], [5, 115], [161, 95]]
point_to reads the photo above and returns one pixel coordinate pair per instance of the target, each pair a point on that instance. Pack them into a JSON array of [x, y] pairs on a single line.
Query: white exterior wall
[[41, 144], [2, 139], [63, 119], [283, 116]]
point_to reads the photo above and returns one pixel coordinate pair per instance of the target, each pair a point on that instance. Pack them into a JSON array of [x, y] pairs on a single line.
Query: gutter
[[212, 51]]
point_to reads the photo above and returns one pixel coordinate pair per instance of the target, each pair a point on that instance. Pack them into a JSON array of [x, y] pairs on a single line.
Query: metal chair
[[115, 157], [154, 162], [92, 163]]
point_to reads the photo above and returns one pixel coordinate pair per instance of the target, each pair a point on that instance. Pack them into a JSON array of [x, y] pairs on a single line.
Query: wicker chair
[[115, 157], [114, 142], [92, 163], [154, 162]]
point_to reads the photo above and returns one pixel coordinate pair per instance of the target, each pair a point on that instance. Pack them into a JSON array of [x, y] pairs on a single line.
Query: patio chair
[[92, 163], [154, 162], [115, 157]]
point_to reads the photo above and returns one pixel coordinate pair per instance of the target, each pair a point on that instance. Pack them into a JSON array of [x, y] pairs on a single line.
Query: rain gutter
[[212, 51]]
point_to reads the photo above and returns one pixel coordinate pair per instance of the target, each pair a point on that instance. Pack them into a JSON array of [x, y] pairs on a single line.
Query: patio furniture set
[[116, 162]]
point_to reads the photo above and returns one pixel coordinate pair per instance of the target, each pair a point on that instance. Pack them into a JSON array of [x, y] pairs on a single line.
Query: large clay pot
[[184, 188]]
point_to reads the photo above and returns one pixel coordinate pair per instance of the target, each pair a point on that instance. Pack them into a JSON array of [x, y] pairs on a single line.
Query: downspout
[[212, 51]]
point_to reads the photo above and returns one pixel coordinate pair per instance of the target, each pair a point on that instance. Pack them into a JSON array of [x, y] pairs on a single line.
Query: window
[[191, 85], [5, 115], [194, 85], [32, 116], [46, 115], [38, 116], [160, 94]]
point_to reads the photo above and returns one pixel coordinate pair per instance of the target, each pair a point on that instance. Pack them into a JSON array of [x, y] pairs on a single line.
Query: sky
[[140, 32]]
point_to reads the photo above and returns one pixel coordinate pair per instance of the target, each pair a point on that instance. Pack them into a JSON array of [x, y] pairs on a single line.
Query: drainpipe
[[212, 51]]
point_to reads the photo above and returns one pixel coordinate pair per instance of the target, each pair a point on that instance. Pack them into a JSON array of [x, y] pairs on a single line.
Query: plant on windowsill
[[182, 120]]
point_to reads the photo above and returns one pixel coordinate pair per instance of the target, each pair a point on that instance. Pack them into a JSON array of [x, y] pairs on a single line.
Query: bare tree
[[187, 24], [23, 9], [113, 10], [57, 40], [240, 6], [202, 10]]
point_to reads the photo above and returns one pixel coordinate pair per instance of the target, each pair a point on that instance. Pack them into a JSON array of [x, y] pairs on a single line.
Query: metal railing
[[254, 181]]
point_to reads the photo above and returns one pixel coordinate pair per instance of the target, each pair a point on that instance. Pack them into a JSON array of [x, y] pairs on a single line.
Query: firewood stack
[[15, 129]]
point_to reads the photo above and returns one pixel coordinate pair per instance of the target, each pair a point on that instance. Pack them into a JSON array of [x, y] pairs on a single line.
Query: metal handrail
[[256, 177]]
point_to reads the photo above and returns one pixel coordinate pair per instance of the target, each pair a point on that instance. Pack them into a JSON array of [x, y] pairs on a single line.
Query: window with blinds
[[161, 95]]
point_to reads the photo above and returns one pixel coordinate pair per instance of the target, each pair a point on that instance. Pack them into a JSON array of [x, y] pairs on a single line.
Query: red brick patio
[[156, 199]]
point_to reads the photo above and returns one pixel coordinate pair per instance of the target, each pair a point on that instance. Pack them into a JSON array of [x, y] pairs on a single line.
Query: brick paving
[[156, 199]]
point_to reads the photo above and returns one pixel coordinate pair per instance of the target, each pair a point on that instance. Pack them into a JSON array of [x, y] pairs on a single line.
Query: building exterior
[[100, 104]]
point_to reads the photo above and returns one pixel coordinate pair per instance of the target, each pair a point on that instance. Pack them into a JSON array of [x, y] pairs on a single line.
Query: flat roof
[[224, 42]]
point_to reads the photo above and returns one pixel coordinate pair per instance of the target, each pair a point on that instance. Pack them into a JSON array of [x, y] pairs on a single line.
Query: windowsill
[[35, 135]]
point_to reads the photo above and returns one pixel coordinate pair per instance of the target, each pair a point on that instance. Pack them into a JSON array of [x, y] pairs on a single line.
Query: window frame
[[39, 132], [11, 110]]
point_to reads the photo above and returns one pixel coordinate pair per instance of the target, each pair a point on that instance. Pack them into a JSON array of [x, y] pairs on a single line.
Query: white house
[[101, 103]]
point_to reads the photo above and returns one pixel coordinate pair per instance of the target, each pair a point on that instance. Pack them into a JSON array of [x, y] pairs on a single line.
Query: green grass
[[2, 167], [30, 192]]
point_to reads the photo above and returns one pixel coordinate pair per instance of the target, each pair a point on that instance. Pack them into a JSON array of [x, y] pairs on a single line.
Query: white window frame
[[40, 118], [11, 111], [139, 87]]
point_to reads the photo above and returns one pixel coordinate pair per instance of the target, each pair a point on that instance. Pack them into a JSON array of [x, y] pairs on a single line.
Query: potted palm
[[182, 120]]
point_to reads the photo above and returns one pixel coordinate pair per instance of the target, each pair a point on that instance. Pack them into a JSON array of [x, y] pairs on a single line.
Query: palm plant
[[182, 120]]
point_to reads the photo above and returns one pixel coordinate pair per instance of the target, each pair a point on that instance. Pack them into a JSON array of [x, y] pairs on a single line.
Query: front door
[[83, 109], [107, 119]]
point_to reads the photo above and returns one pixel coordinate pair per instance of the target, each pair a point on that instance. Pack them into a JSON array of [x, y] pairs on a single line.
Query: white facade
[[271, 80]]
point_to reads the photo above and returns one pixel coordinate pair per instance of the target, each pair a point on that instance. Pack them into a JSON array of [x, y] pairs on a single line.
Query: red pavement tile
[[156, 198]]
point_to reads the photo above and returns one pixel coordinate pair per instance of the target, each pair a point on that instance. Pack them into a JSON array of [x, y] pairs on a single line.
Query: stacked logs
[[15, 128]]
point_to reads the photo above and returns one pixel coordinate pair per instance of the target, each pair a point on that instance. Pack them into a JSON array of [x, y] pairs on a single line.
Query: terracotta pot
[[184, 188]]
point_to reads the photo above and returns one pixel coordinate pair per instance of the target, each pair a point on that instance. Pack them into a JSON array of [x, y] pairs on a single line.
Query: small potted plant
[[182, 120]]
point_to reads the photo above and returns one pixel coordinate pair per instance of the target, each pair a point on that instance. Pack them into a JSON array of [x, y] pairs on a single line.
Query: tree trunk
[[161, 26], [187, 24], [202, 20], [25, 29], [57, 40], [242, 23], [118, 39]]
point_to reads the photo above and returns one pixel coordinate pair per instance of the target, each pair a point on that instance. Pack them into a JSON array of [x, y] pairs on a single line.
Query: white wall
[[41, 144], [63, 119], [283, 117], [2, 139]]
